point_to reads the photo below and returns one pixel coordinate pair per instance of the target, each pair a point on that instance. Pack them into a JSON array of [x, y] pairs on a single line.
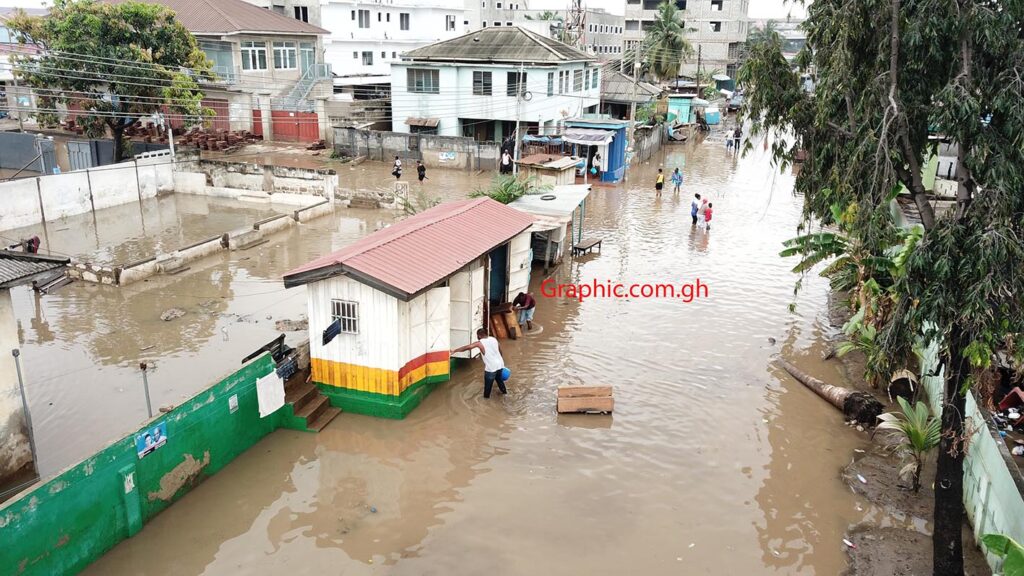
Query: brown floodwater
[[714, 462]]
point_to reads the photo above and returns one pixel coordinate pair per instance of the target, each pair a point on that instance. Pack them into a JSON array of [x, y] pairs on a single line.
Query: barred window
[[347, 313]]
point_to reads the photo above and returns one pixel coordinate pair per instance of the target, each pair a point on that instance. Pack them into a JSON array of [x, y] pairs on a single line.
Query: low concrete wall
[[34, 200], [648, 141], [433, 151], [225, 174], [992, 482], [171, 262]]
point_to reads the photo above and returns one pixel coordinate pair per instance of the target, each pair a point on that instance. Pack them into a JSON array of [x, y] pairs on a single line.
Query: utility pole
[[17, 104], [632, 104], [520, 86], [699, 93]]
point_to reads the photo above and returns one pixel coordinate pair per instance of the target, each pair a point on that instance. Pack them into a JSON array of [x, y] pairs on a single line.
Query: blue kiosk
[[602, 136]]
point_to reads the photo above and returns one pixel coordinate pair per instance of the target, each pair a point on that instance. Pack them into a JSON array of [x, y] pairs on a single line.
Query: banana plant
[[918, 431], [1009, 550]]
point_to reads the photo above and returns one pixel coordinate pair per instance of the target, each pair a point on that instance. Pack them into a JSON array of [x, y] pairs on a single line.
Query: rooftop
[[555, 207], [18, 268], [552, 161], [226, 17], [618, 87], [513, 45], [413, 255]]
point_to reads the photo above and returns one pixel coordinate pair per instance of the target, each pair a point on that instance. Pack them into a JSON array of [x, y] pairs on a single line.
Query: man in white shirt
[[493, 362]]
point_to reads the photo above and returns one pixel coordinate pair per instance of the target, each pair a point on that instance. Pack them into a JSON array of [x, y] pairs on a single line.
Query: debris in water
[[692, 544], [858, 450], [850, 544], [171, 314], [288, 325], [862, 479], [860, 428], [1017, 451], [771, 341], [144, 348], [373, 509]]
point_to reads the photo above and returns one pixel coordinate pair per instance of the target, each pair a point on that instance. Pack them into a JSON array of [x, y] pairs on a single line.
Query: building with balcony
[[271, 78], [717, 29], [479, 84]]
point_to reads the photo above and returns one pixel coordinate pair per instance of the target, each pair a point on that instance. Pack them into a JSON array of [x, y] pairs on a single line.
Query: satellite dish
[[527, 95]]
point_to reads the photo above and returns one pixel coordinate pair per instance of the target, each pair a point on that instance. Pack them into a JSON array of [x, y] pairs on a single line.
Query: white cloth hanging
[[269, 394]]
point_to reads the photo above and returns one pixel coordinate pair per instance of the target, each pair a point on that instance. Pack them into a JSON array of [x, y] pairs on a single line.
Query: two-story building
[[481, 83], [271, 75], [717, 29]]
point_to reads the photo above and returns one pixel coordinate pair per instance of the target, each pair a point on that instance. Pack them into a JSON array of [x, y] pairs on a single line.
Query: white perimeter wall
[[32, 200]]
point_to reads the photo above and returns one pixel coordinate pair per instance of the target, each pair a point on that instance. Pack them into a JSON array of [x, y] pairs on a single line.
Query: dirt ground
[[887, 550]]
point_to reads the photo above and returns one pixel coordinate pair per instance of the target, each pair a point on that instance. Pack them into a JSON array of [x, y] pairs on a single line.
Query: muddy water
[[713, 463]]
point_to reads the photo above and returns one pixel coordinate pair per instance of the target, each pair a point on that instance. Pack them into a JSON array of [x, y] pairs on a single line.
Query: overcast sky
[[759, 9]]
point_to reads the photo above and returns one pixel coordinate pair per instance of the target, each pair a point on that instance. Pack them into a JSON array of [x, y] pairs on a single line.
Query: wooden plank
[[498, 327], [512, 324], [584, 391], [605, 404]]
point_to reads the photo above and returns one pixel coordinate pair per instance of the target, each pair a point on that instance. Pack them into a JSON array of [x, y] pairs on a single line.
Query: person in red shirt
[[525, 304], [707, 216]]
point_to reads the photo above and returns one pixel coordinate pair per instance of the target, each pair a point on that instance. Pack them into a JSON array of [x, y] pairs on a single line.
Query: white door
[[461, 310], [477, 289], [438, 319], [519, 265], [417, 327]]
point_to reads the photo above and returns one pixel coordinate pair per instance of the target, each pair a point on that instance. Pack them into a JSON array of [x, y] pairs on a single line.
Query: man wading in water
[[493, 362]]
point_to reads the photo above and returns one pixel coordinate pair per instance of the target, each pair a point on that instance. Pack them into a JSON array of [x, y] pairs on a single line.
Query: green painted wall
[[382, 405], [63, 525], [991, 497]]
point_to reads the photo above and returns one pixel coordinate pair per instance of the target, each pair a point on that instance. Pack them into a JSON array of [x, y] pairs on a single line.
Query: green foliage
[[117, 62], [665, 46], [888, 76], [918, 432], [645, 113], [1009, 550], [506, 188], [418, 202]]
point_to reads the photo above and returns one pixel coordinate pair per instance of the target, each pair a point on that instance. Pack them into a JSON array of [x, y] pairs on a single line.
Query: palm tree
[[555, 26], [859, 406], [665, 47], [766, 33], [918, 432], [545, 15]]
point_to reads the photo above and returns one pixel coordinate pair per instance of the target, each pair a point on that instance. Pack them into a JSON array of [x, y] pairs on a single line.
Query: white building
[[366, 37], [479, 84], [715, 28]]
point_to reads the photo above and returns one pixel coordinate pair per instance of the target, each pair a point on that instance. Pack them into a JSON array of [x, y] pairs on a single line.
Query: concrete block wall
[[434, 151], [65, 523], [34, 200], [253, 177]]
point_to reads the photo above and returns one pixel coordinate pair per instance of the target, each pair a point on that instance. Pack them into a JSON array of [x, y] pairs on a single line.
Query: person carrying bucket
[[494, 364]]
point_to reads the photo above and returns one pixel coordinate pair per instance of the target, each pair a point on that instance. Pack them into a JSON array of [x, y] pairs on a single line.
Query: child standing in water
[[677, 181], [707, 217], [660, 182]]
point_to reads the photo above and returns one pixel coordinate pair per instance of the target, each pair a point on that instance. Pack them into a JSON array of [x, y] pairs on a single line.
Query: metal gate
[[79, 155]]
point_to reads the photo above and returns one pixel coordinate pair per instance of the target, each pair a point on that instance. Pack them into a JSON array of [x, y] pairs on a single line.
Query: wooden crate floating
[[588, 399]]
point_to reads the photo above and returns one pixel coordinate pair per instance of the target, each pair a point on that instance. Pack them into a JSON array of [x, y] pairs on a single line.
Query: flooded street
[[715, 462]]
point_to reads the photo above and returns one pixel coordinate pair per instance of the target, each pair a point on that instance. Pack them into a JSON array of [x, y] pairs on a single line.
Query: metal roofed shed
[[399, 299], [558, 214], [17, 268], [549, 169], [499, 45]]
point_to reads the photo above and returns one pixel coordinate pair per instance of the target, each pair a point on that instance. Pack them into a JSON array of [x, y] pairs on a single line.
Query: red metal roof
[[412, 255]]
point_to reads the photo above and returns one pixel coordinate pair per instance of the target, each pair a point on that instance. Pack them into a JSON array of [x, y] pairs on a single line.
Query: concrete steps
[[311, 411]]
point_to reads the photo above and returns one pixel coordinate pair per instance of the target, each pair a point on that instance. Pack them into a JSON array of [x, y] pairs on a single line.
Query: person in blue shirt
[[695, 208], [677, 181]]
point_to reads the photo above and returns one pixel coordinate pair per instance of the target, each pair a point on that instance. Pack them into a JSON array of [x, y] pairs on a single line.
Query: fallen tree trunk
[[859, 406]]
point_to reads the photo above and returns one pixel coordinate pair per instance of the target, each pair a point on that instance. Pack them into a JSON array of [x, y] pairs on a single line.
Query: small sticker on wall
[[233, 403], [129, 483]]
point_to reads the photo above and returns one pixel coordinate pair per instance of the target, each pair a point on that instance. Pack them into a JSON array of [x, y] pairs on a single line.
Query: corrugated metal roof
[[512, 45], [408, 257], [231, 17], [19, 267], [617, 87]]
